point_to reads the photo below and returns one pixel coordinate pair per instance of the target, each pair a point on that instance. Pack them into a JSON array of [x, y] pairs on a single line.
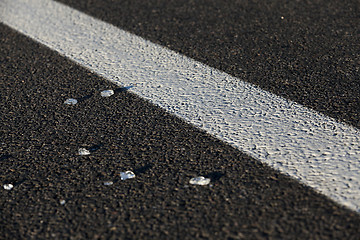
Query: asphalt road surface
[[307, 52]]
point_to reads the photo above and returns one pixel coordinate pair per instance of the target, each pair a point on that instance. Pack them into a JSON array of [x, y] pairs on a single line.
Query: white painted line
[[306, 145]]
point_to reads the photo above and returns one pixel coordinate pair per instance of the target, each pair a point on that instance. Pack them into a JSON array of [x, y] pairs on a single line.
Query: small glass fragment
[[62, 202], [127, 175], [8, 186], [107, 93], [83, 151], [122, 89], [199, 181], [71, 101], [108, 183]]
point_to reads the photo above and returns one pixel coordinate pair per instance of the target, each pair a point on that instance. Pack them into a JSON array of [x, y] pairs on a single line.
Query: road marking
[[298, 141]]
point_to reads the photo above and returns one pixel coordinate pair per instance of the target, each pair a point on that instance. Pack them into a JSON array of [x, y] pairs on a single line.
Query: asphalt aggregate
[[58, 194]]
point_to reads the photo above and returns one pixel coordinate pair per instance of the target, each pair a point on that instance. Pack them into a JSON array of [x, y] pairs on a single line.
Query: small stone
[[62, 202], [71, 101], [108, 183], [127, 175], [199, 181], [8, 186], [107, 93], [83, 151]]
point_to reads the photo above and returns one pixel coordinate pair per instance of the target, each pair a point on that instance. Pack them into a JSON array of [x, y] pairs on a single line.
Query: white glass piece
[[108, 183], [199, 181], [127, 175], [62, 202], [107, 93], [83, 151], [71, 101], [8, 186]]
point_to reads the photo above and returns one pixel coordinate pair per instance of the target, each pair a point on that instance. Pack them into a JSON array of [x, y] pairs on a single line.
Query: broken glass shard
[[107, 93], [122, 89], [108, 183], [71, 101], [8, 186], [199, 181], [83, 151], [127, 175], [62, 202]]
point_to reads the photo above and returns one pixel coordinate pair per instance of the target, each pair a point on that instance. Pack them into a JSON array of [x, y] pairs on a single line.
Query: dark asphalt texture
[[311, 56], [40, 136]]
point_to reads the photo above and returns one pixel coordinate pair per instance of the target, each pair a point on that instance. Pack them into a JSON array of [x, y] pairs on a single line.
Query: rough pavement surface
[[306, 51], [40, 138]]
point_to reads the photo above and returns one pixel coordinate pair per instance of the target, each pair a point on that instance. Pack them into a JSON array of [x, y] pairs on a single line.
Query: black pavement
[[40, 136]]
